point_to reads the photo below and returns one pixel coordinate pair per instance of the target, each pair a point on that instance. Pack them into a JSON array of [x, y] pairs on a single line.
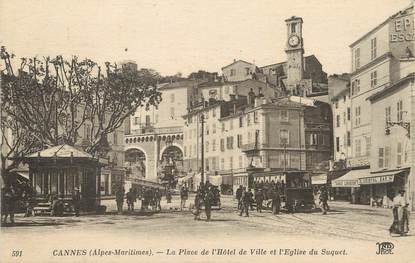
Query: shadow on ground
[[32, 223]]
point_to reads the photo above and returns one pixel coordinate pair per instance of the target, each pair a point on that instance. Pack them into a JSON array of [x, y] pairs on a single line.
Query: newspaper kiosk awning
[[351, 179]]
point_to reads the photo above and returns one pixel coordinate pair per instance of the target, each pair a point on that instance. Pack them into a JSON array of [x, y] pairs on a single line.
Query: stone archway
[[136, 162], [171, 160]]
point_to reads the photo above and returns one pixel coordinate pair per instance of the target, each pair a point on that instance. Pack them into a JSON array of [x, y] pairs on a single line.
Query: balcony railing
[[153, 130]]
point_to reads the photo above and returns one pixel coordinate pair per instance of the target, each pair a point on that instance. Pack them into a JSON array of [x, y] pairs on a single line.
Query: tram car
[[296, 192]]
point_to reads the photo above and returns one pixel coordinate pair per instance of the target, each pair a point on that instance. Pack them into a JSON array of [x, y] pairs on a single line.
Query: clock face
[[293, 41]]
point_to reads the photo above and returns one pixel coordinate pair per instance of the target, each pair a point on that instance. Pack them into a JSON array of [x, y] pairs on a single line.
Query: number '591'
[[17, 253]]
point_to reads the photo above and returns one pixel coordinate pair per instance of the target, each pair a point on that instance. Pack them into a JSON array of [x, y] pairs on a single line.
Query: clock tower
[[295, 53]]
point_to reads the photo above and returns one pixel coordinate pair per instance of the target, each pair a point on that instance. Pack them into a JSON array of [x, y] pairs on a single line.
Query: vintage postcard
[[207, 131]]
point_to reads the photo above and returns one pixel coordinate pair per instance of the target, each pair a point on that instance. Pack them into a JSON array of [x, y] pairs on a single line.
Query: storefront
[[381, 187], [347, 187]]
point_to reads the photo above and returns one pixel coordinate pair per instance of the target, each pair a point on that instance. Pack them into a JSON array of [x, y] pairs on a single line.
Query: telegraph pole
[[202, 121]]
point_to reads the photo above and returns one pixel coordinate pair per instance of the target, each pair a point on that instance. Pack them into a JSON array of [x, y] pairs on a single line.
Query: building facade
[[156, 135], [382, 73], [339, 94]]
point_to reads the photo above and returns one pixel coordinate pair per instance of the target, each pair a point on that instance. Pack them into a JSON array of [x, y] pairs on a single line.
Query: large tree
[[47, 101]]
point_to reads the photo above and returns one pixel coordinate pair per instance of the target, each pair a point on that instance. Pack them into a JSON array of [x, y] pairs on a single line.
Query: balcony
[[152, 130]]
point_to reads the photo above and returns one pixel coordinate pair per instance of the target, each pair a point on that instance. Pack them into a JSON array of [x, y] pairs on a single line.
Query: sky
[[173, 36]]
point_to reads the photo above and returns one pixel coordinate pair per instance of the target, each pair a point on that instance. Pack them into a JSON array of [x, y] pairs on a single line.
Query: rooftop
[[393, 87], [179, 84], [403, 11], [61, 151]]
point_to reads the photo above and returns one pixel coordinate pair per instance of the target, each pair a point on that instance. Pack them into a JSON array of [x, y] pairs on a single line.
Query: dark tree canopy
[[47, 101]]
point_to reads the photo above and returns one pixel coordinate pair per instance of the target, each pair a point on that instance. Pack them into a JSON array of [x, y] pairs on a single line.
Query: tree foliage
[[50, 101]]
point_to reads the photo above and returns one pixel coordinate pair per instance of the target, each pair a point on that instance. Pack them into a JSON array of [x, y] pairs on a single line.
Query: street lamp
[[202, 175]]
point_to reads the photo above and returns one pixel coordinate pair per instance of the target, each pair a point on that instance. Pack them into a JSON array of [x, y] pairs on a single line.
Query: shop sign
[[345, 183], [402, 29], [377, 180]]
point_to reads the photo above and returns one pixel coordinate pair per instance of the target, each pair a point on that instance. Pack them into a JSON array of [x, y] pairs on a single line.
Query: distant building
[[239, 70], [285, 135]]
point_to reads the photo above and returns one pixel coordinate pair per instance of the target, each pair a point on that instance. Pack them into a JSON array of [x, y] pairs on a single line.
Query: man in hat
[[184, 194], [198, 204], [245, 200], [76, 200], [238, 196], [157, 196], [324, 197], [131, 199], [8, 199], [119, 198], [276, 200], [209, 199], [259, 198], [251, 199]]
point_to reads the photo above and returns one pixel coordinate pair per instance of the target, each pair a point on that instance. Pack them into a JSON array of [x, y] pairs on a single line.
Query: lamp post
[[202, 175]]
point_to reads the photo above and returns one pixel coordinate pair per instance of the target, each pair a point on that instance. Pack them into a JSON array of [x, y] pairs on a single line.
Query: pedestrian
[[157, 196], [28, 199], [9, 202], [198, 204], [209, 199], [131, 199], [259, 198], [119, 198], [316, 196], [148, 195], [143, 198], [324, 197], [245, 201], [168, 196], [400, 212], [251, 199], [184, 194], [76, 200], [276, 200], [238, 196]]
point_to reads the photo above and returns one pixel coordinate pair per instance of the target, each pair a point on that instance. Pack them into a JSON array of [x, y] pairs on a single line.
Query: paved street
[[354, 225], [344, 221]]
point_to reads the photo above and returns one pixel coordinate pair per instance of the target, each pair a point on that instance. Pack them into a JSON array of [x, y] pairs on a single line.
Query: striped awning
[[379, 178]]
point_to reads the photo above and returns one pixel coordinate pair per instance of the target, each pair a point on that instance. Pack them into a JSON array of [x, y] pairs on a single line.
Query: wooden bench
[[42, 208], [46, 208]]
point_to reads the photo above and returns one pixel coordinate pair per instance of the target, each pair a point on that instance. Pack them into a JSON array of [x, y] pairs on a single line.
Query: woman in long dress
[[400, 223]]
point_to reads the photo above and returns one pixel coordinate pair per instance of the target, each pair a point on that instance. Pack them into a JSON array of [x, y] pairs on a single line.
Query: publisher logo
[[384, 248]]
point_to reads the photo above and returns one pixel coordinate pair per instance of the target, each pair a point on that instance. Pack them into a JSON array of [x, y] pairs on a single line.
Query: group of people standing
[[246, 199], [148, 196]]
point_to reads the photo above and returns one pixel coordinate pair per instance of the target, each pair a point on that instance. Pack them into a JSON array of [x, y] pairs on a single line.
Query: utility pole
[[285, 156], [202, 121]]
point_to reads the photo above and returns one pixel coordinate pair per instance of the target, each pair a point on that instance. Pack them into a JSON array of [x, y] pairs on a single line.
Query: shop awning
[[379, 178], [319, 179], [350, 179]]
